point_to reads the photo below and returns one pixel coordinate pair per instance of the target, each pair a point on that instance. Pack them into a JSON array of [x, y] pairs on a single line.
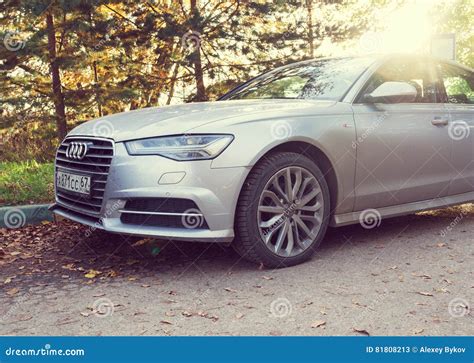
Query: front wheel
[[283, 211]]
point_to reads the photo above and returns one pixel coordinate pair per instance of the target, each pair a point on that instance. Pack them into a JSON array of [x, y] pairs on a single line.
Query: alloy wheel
[[290, 211]]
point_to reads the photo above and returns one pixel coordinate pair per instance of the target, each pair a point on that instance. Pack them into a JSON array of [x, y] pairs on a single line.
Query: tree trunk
[[58, 97], [309, 8], [198, 74], [173, 82], [97, 89]]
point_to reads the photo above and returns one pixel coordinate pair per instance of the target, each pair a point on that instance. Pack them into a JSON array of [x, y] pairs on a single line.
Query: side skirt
[[340, 220]]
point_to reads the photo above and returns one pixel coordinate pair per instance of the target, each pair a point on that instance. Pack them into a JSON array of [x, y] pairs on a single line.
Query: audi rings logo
[[77, 150]]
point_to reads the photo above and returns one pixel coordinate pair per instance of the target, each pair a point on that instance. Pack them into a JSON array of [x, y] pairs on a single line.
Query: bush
[[29, 141]]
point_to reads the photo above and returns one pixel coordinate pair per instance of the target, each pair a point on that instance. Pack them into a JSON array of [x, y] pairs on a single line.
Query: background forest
[[63, 62]]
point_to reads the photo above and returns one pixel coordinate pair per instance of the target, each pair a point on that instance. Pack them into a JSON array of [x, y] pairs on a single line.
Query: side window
[[420, 74], [458, 84]]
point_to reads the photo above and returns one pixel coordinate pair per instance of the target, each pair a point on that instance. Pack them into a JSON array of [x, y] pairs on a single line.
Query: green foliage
[[26, 182], [458, 18], [117, 55]]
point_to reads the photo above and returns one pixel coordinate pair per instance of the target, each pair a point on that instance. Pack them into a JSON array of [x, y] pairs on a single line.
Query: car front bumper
[[214, 192]]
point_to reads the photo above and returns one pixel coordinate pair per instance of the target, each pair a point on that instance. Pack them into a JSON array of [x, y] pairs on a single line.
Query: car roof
[[385, 57]]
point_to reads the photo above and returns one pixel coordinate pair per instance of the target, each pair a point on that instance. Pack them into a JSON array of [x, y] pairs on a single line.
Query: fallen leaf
[[186, 314], [84, 314], [170, 314], [424, 293], [92, 274], [318, 323], [111, 273], [15, 253], [361, 331], [418, 331], [229, 289], [141, 242], [145, 285], [13, 292], [239, 316], [7, 280], [166, 322], [267, 278]]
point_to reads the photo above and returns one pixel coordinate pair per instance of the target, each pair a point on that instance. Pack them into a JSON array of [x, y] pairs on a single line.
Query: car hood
[[187, 118]]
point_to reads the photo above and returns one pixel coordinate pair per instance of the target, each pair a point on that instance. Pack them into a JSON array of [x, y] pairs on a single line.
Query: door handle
[[439, 122]]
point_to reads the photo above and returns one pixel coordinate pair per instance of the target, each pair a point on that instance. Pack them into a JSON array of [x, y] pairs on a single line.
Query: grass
[[26, 182]]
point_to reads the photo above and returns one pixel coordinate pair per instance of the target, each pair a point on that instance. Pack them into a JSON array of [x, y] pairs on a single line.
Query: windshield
[[327, 79]]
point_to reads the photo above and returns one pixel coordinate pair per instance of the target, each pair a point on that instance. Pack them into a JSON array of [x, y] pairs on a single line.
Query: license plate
[[75, 183]]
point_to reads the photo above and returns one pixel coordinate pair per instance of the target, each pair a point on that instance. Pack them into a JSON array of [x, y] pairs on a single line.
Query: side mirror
[[392, 92]]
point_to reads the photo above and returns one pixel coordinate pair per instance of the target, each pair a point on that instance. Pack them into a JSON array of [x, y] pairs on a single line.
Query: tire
[[250, 235]]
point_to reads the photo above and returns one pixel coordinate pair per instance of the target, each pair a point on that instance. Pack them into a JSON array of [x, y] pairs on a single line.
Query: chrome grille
[[97, 164]]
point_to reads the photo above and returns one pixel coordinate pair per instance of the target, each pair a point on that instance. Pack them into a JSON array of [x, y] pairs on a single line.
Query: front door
[[458, 93], [403, 149]]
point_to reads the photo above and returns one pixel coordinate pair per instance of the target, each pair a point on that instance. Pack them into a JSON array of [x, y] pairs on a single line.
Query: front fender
[[332, 134]]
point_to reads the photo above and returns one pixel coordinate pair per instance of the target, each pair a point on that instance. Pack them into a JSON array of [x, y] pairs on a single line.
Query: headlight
[[182, 147]]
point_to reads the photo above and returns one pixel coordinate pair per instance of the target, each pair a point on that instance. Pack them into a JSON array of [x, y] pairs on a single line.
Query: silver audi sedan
[[273, 162]]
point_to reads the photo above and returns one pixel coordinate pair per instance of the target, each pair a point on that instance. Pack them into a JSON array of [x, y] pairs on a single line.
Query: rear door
[[403, 149], [458, 95]]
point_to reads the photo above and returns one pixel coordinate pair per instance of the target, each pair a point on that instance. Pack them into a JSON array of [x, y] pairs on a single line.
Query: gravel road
[[410, 276]]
